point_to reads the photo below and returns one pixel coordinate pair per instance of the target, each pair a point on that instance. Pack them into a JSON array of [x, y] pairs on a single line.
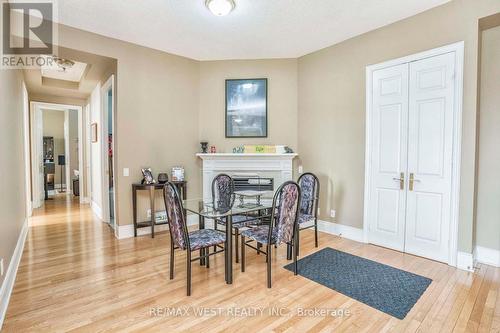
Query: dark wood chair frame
[[204, 252], [313, 207], [293, 244], [236, 231]]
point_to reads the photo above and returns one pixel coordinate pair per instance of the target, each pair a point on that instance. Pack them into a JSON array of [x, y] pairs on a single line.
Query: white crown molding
[[10, 276]]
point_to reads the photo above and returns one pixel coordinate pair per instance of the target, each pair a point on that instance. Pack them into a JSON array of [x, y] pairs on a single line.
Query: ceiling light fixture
[[63, 64], [220, 7]]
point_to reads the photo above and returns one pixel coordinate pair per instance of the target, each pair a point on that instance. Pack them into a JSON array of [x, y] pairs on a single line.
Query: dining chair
[[223, 197], [181, 238], [283, 227], [309, 199]]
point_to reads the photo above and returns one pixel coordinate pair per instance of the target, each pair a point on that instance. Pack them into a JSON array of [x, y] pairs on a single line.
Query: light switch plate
[[333, 213], [1, 267], [301, 169], [126, 172]]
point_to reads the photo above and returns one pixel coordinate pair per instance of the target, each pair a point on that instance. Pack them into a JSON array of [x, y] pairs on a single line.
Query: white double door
[[409, 206]]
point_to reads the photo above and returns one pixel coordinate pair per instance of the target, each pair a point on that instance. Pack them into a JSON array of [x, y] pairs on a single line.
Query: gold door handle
[[412, 181], [401, 181]]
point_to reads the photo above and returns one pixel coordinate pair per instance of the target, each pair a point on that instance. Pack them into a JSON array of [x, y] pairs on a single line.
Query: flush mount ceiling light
[[63, 64], [220, 7]]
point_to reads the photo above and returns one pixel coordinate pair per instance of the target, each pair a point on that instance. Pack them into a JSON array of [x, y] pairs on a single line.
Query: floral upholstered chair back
[[175, 215], [287, 199], [309, 187], [223, 191]]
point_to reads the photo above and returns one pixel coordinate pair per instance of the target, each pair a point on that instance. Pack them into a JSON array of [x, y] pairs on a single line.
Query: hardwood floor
[[75, 276]]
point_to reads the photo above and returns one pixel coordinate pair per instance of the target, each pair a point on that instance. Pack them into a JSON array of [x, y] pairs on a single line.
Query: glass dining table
[[207, 209]]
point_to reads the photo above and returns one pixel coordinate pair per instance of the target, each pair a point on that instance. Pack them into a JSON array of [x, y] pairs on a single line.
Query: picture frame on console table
[[246, 108]]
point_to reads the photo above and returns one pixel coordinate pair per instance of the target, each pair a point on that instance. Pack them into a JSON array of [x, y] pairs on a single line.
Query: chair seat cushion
[[259, 234], [205, 237], [241, 221], [304, 218]]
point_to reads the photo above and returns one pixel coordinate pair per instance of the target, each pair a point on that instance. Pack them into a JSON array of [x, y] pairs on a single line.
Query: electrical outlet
[[333, 213], [126, 172], [319, 210], [301, 169], [148, 213], [1, 267]]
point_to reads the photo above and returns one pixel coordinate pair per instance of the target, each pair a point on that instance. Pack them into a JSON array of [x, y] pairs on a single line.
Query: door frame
[[458, 48], [36, 108], [109, 84]]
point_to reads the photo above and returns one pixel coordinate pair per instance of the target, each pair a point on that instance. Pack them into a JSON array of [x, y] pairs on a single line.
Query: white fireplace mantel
[[280, 166]]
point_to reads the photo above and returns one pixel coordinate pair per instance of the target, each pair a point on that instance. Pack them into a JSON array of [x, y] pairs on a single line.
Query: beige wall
[[488, 187], [53, 125], [332, 104], [282, 100], [157, 111], [12, 193]]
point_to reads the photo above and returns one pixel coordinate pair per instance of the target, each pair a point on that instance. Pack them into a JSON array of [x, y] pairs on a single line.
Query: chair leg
[[268, 255], [215, 227], [316, 232], [207, 253], [236, 240], [202, 259], [172, 257], [295, 253], [243, 253], [297, 244], [188, 272], [288, 251]]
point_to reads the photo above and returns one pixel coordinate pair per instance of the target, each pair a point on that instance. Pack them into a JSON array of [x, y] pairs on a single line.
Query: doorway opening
[[56, 152]]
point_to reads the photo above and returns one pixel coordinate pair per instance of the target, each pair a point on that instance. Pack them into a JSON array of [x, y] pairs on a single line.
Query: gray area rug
[[382, 287]]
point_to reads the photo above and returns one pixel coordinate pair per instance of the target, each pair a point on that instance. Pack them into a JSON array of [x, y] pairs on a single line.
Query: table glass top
[[209, 209]]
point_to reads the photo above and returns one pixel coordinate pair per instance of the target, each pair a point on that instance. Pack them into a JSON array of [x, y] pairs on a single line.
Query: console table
[[151, 188]]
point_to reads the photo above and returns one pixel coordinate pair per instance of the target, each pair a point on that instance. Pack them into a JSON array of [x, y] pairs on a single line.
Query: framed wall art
[[246, 108]]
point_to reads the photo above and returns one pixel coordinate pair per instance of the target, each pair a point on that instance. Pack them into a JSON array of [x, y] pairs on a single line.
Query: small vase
[[204, 147]]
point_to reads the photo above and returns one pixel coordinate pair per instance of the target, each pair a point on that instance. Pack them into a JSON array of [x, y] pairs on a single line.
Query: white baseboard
[[465, 261], [96, 209], [352, 233], [10, 276], [487, 256], [127, 231]]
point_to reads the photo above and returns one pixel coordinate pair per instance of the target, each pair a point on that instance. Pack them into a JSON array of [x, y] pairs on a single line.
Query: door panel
[[430, 144], [386, 208]]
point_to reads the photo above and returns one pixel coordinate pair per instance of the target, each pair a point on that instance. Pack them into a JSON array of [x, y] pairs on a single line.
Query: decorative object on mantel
[[177, 174], [288, 150], [280, 149], [260, 149], [213, 150], [239, 150], [162, 178], [147, 176], [204, 147], [246, 108]]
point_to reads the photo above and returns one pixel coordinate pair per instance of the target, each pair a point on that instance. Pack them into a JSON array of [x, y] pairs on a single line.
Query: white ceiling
[[256, 29]]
